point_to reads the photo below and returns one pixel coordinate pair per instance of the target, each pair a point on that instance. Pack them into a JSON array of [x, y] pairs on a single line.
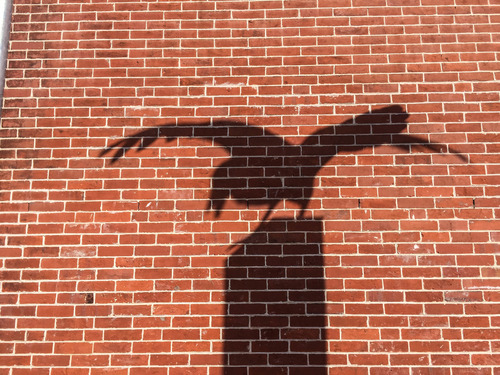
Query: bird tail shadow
[[435, 147]]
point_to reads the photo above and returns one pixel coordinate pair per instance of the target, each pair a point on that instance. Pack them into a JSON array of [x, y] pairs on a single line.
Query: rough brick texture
[[176, 197]]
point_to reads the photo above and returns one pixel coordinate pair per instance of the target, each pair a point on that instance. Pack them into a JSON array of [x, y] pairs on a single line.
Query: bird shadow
[[264, 169], [274, 283]]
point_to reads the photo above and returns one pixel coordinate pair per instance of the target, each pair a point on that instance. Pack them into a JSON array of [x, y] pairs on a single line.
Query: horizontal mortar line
[[366, 302], [288, 19], [264, 17], [269, 47], [260, 340], [201, 328], [265, 366]]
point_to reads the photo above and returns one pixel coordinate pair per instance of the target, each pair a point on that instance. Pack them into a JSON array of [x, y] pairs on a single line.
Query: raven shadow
[[274, 283], [264, 169]]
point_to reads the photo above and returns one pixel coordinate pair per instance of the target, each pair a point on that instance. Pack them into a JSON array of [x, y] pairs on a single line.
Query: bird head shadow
[[264, 169]]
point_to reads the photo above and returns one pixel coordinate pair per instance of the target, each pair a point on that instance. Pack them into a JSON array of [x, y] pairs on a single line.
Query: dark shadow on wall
[[275, 301], [275, 289], [264, 169]]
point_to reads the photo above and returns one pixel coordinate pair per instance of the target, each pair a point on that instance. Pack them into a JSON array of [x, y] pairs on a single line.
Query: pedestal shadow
[[275, 301]]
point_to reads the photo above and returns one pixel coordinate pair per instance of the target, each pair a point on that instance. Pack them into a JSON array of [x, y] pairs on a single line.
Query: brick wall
[[176, 197]]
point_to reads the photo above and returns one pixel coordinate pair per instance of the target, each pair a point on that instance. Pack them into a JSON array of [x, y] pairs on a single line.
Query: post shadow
[[275, 301]]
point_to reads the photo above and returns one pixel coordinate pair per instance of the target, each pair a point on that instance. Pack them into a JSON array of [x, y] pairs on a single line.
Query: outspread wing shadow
[[264, 169]]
